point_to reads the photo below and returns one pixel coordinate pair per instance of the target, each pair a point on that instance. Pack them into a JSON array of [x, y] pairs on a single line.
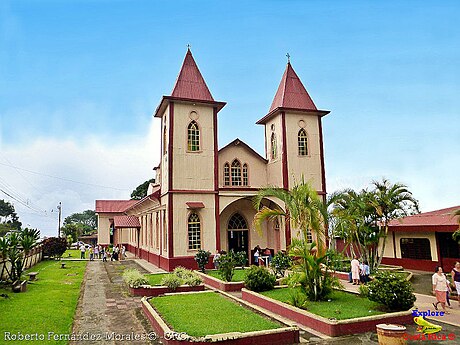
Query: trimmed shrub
[[363, 291], [134, 278], [202, 259], [259, 279], [391, 290], [241, 258], [280, 263], [187, 277], [193, 280], [171, 281], [54, 246], [227, 265]]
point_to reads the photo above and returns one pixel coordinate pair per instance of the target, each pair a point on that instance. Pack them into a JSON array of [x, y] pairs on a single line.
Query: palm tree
[[391, 201], [304, 209]]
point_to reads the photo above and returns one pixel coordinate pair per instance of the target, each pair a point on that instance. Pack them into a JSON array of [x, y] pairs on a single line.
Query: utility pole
[[59, 207]]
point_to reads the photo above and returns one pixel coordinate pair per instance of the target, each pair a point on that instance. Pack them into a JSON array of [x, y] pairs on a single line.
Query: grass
[[74, 254], [208, 313], [48, 305], [238, 276], [155, 279], [341, 305]]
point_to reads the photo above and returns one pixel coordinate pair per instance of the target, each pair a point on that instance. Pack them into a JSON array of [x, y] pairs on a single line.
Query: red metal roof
[[126, 222], [291, 93], [113, 206], [190, 83], [194, 204], [443, 217]]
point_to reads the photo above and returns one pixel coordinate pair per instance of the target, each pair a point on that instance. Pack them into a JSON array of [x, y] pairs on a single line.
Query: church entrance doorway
[[238, 234]]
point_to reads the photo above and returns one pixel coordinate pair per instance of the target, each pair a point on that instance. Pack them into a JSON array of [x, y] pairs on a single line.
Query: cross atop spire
[[189, 46], [289, 57]]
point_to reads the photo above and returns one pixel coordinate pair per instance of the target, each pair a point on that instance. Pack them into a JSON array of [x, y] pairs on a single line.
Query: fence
[[34, 257]]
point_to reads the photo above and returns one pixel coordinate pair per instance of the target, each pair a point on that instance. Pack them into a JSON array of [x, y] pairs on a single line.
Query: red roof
[[113, 206], [190, 83], [291, 93], [443, 217], [126, 222]]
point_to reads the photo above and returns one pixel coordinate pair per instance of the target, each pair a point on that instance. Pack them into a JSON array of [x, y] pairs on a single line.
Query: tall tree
[[141, 190], [9, 220], [83, 223]]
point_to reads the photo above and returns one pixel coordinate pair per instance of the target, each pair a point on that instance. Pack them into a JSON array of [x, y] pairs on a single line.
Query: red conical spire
[[291, 93], [190, 83]]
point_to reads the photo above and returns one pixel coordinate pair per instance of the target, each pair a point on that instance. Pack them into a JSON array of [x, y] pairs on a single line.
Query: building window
[[237, 222], [273, 148], [226, 174], [164, 139], [193, 137], [245, 174], [157, 230], [415, 248], [194, 232], [236, 173], [302, 142]]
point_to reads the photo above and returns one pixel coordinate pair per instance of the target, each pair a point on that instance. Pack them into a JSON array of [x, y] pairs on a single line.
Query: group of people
[[261, 254], [115, 253], [360, 271], [441, 286]]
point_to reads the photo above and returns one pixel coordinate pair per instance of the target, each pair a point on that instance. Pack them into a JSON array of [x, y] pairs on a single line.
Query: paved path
[[105, 313]]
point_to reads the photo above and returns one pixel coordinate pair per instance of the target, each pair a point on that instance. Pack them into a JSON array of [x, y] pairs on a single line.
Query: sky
[[80, 80]]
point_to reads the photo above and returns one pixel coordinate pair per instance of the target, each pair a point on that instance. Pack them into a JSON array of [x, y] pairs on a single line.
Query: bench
[[62, 264], [32, 275]]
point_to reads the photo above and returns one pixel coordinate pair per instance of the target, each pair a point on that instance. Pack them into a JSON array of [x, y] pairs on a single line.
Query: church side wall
[[103, 229], [274, 166]]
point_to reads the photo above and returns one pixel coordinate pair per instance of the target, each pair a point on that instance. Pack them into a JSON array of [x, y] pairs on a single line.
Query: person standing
[[365, 272], [91, 254], [440, 288], [355, 270], [104, 254], [96, 251], [82, 251], [456, 279], [256, 255]]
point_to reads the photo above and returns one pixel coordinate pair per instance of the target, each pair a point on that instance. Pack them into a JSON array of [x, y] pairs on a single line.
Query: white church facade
[[202, 195]]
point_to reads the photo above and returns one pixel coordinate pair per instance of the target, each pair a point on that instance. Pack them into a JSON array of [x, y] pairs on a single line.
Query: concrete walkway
[[105, 313]]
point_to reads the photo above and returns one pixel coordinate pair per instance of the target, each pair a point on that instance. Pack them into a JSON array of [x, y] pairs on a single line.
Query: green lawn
[[74, 254], [48, 305], [342, 305], [155, 279], [238, 276], [208, 313]]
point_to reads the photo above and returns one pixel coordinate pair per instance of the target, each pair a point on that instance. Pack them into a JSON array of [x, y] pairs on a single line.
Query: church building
[[202, 195]]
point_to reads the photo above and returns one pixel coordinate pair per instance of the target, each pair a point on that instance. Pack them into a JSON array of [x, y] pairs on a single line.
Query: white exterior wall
[[274, 166], [389, 253], [103, 228]]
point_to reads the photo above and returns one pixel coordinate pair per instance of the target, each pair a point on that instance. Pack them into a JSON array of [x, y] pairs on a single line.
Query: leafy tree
[[54, 246], [141, 190], [202, 259], [9, 220], [77, 224]]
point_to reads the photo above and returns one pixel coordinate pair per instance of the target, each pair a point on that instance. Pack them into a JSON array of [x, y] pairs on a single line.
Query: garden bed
[[329, 326], [209, 317], [153, 291], [211, 279]]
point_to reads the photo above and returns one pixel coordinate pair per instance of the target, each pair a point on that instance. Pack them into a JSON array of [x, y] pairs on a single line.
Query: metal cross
[[189, 46], [289, 57]]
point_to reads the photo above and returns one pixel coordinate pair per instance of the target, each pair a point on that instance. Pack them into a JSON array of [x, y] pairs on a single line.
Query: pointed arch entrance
[[238, 233]]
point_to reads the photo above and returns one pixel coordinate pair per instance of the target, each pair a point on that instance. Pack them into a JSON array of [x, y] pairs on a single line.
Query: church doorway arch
[[238, 233]]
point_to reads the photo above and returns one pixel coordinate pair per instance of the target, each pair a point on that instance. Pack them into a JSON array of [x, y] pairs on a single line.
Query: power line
[[63, 178]]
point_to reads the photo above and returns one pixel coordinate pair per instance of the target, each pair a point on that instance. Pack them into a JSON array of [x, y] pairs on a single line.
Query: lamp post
[[59, 207]]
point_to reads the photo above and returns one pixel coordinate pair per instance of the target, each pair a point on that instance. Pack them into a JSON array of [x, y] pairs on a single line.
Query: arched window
[[276, 225], [245, 174], [193, 137], [226, 174], [273, 149], [194, 231], [302, 142], [236, 173], [164, 139], [237, 222]]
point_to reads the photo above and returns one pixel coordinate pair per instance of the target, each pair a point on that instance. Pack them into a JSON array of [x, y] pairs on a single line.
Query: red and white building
[[202, 195], [423, 241]]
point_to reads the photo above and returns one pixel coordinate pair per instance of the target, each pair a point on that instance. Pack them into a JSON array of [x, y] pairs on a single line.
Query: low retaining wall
[[333, 328], [153, 291], [219, 284], [281, 336]]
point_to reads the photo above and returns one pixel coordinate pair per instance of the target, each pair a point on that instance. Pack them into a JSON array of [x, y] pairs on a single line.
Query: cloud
[[83, 170]]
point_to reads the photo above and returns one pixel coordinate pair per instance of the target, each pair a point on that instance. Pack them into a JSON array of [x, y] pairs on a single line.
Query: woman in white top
[[440, 286], [355, 271]]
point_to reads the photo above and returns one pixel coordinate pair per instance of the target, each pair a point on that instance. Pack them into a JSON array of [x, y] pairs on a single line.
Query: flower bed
[[220, 284], [152, 291], [182, 310], [330, 327]]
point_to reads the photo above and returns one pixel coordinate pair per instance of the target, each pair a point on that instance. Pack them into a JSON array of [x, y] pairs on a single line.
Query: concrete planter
[[153, 291], [333, 328], [219, 284], [280, 336]]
